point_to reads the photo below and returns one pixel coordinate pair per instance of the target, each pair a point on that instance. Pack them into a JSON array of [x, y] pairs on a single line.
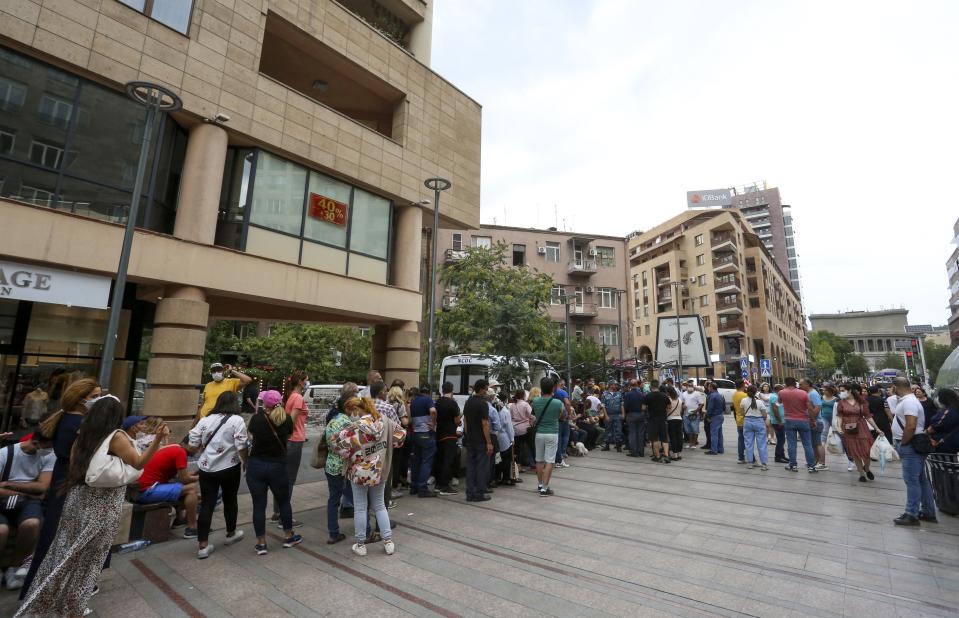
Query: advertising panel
[[689, 339]]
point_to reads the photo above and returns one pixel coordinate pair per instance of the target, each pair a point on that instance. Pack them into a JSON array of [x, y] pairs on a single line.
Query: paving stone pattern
[[621, 537]]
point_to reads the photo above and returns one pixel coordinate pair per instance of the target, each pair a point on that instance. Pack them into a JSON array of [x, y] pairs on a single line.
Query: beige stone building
[[590, 268], [710, 263], [286, 188]]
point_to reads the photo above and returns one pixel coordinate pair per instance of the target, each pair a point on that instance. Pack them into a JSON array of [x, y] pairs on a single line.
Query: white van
[[463, 370], [726, 388]]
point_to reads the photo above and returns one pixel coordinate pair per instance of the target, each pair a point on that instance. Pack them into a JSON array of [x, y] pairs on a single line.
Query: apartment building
[[288, 186], [711, 263], [952, 272], [590, 268]]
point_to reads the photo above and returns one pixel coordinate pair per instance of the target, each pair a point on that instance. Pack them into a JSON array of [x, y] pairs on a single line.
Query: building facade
[[952, 272], [590, 268], [710, 263], [288, 187], [873, 334]]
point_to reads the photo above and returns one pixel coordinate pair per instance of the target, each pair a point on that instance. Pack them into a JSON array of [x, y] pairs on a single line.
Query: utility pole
[[619, 328], [569, 362], [679, 359], [437, 185]]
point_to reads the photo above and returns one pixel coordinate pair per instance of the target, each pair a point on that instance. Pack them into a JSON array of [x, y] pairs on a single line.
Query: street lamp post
[[437, 185], [156, 99], [679, 358], [619, 329], [569, 356]]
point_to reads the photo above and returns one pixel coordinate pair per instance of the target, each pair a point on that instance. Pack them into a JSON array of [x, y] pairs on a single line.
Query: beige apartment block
[[590, 268], [289, 186], [710, 263]]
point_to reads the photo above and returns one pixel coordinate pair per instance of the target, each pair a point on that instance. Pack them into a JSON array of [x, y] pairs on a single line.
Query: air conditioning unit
[[592, 253], [589, 289], [541, 250], [692, 279]]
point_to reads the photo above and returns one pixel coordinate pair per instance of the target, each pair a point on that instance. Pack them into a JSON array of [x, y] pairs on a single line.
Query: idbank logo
[[716, 197]]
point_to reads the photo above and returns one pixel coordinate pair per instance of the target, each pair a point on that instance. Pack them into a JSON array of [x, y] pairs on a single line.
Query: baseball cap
[[271, 399], [130, 421], [216, 366]]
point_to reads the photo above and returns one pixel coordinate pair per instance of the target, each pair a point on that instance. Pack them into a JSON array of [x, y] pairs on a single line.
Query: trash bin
[[944, 475]]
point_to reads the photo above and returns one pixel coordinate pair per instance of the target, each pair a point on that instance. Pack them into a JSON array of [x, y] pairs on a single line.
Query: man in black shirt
[[636, 417], [250, 394], [479, 445], [879, 412], [656, 404], [447, 419]]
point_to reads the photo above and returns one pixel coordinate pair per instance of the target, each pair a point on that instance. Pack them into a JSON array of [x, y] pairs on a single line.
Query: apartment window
[[171, 13], [869, 345], [606, 256], [12, 94], [645, 311], [47, 155], [704, 301], [580, 333], [647, 329], [556, 295], [645, 279], [519, 255], [552, 252], [699, 239], [54, 110], [709, 343], [457, 241], [607, 298], [700, 259], [754, 303], [484, 242], [609, 334], [7, 141], [702, 280]]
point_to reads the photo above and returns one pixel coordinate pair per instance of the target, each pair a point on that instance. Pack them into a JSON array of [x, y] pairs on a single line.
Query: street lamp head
[[437, 184], [149, 93], [423, 202]]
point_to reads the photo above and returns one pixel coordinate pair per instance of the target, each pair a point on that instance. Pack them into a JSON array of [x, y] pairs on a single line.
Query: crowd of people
[[381, 441]]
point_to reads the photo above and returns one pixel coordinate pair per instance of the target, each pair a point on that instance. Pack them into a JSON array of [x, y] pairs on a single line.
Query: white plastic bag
[[833, 442], [883, 451]]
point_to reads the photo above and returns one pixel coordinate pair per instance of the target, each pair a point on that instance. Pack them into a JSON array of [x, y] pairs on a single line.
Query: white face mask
[[690, 390], [843, 394], [89, 402], [218, 376]]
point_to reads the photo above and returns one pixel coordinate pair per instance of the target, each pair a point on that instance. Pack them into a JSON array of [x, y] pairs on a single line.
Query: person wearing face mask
[[226, 379], [853, 421], [694, 402], [62, 427]]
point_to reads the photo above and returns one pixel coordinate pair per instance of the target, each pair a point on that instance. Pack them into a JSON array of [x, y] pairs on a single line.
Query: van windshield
[[464, 376]]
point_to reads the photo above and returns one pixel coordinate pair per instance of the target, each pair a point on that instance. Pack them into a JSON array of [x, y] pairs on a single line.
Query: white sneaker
[[237, 536], [359, 549], [850, 467], [693, 446], [389, 547], [205, 552], [14, 582], [563, 465], [822, 466]]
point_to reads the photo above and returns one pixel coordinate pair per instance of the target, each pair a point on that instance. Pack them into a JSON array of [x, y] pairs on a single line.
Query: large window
[[606, 256], [607, 298], [457, 241], [171, 13], [609, 334], [370, 228], [552, 252], [278, 196], [557, 295], [483, 242]]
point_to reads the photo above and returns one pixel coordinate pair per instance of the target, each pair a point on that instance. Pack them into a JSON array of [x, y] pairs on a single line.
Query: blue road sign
[[766, 367], [744, 364]]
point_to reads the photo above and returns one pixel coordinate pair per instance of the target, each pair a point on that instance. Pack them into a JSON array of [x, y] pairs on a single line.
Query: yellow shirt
[[214, 389], [738, 397]]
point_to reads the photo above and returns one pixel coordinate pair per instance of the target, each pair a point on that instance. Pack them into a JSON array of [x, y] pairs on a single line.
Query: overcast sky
[[610, 110]]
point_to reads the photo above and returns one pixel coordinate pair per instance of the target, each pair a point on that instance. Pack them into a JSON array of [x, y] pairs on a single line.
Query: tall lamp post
[[619, 329], [677, 286], [569, 356], [437, 185], [156, 99]]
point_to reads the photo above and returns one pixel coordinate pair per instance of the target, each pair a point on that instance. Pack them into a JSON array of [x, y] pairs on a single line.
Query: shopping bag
[[833, 442]]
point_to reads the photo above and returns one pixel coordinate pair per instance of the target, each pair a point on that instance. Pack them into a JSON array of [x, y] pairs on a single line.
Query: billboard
[[689, 339], [713, 198]]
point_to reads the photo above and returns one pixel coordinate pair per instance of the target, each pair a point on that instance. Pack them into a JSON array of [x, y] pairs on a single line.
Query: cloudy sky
[[600, 115]]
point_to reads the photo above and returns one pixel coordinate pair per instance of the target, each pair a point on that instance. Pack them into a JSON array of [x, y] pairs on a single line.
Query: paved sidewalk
[[622, 537]]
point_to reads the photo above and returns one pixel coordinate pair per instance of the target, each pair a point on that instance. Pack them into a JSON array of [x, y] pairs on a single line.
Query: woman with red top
[[853, 421], [298, 412]]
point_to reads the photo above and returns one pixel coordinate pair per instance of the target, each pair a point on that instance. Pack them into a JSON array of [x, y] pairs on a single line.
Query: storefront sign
[[49, 285], [327, 209]]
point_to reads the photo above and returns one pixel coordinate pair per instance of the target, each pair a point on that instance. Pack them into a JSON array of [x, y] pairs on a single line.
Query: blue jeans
[[614, 432], [424, 449], [563, 441], [263, 476], [637, 433], [780, 441], [335, 484], [691, 425], [370, 497], [740, 444], [716, 434], [919, 496], [754, 434], [805, 434]]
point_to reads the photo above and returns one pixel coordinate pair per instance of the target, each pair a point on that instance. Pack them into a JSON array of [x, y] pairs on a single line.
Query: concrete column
[[378, 355], [408, 247], [403, 354], [421, 36], [176, 357], [199, 198]]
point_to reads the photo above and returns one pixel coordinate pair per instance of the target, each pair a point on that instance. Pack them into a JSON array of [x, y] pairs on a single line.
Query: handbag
[[9, 503], [852, 427], [920, 441], [106, 470], [320, 453]]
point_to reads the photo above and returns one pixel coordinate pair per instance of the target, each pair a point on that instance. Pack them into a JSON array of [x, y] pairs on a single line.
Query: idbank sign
[[705, 199]]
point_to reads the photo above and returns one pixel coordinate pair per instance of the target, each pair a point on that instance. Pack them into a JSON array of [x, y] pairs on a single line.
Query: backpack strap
[[8, 464]]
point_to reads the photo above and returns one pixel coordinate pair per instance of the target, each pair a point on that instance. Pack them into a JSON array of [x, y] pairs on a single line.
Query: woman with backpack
[[270, 428], [220, 440]]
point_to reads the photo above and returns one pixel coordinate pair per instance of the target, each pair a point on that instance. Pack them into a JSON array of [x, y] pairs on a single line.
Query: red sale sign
[[327, 209]]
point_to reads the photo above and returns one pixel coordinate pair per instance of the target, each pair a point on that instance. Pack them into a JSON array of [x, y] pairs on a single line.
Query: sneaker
[[296, 524], [260, 549], [205, 551], [543, 492], [750, 466], [693, 447], [391, 505], [870, 475], [389, 547], [189, 533], [764, 468], [931, 519], [13, 581], [741, 461], [359, 549], [792, 469], [448, 491], [906, 520], [822, 466], [666, 460], [480, 499], [237, 536], [335, 539], [292, 541], [850, 467], [563, 465], [96, 590], [812, 470], [549, 492]]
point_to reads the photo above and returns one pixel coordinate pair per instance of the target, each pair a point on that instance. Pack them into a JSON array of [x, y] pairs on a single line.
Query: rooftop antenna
[[555, 216]]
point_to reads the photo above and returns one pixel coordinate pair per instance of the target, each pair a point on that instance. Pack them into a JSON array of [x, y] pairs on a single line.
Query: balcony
[[729, 262], [454, 255], [729, 304], [581, 267], [727, 283], [723, 242], [731, 327], [583, 310]]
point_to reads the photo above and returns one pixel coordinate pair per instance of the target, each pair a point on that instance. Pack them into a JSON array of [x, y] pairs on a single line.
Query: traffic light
[[908, 354]]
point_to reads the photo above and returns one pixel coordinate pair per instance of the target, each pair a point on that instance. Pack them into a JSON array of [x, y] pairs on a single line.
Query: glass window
[[699, 239], [519, 255], [484, 242], [457, 241], [370, 228], [172, 13], [556, 295], [54, 110], [869, 345], [702, 280], [278, 194], [609, 334], [705, 320], [91, 200], [12, 94], [552, 252], [606, 256], [646, 329], [607, 298], [47, 155], [700, 259], [704, 301], [317, 228], [7, 140]]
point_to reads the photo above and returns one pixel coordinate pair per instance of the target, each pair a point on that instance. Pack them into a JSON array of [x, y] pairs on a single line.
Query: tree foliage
[[936, 355], [840, 346], [500, 310], [586, 357], [892, 360], [823, 359], [856, 366]]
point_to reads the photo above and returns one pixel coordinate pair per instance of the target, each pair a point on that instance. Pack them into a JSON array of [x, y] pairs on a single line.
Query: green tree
[[500, 310], [823, 359], [892, 360], [841, 347], [856, 366], [936, 355], [586, 358]]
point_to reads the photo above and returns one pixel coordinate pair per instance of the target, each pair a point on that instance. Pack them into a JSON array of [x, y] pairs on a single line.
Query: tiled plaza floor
[[622, 536]]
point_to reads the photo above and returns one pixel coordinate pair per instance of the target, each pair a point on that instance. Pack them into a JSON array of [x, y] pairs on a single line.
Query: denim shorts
[[161, 492], [819, 432], [546, 444]]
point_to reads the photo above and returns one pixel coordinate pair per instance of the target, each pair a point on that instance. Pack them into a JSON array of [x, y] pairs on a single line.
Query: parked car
[[726, 388]]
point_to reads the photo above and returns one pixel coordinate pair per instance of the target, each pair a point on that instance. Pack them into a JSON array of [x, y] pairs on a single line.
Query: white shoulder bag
[[107, 470]]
